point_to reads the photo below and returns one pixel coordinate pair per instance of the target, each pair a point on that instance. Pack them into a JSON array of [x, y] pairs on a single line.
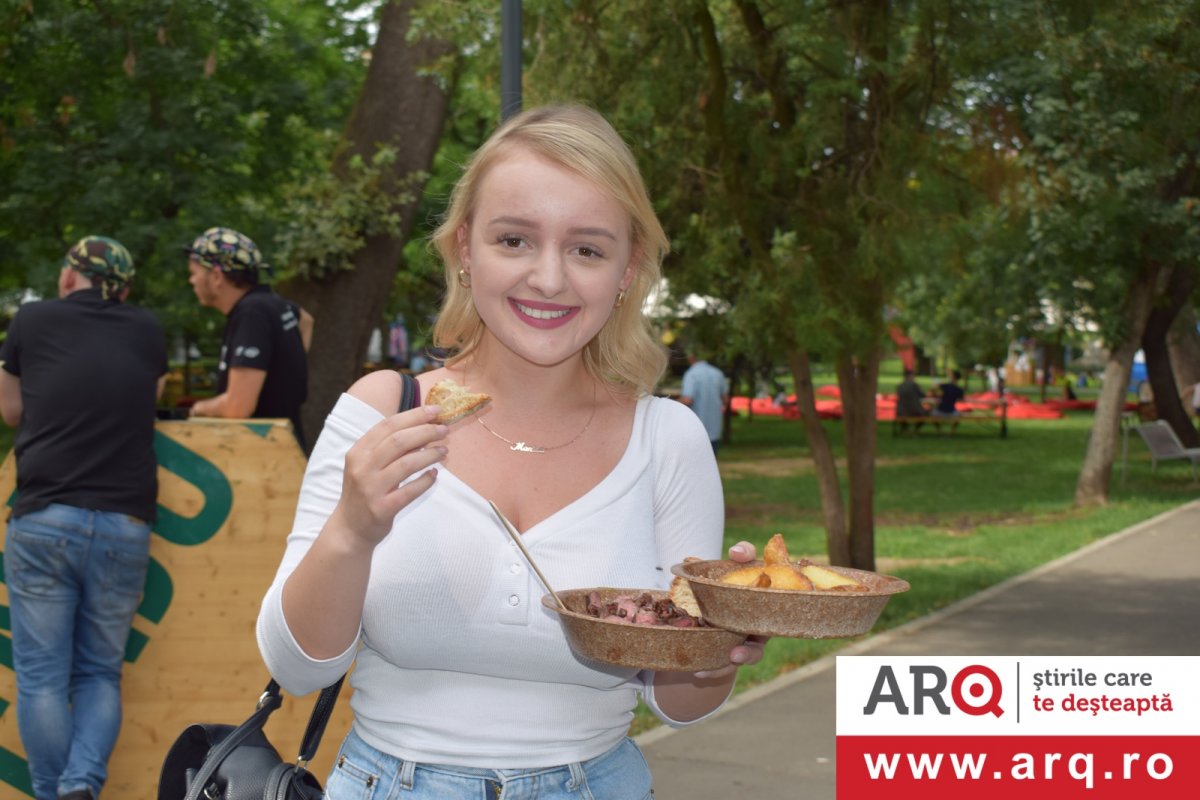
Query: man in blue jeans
[[80, 379]]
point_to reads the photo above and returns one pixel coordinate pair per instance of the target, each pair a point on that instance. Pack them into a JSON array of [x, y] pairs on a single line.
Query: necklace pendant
[[521, 447]]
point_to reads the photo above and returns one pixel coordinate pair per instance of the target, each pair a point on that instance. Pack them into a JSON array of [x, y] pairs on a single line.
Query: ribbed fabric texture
[[459, 663]]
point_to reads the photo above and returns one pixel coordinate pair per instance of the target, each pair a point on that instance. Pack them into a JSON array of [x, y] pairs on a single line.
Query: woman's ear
[[635, 258], [464, 250]]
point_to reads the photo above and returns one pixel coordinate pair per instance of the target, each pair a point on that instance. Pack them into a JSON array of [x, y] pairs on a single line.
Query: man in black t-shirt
[[80, 380], [263, 368]]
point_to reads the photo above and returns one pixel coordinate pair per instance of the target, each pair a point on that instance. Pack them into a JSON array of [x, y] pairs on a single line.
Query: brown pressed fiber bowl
[[801, 614], [658, 647]]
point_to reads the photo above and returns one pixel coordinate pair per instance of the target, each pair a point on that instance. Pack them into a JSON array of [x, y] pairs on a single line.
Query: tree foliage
[[825, 169], [800, 152], [151, 120], [1097, 104]]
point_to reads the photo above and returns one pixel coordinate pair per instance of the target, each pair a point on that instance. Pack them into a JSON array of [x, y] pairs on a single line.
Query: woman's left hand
[[751, 650]]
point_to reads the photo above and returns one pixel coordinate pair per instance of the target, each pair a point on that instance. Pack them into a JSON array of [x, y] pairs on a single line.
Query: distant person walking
[[80, 381], [263, 368], [706, 392]]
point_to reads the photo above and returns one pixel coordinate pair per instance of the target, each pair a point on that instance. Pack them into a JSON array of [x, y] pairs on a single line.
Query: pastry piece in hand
[[455, 401]]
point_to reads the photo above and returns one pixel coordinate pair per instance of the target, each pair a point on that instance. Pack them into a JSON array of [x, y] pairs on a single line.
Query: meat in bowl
[[643, 609]]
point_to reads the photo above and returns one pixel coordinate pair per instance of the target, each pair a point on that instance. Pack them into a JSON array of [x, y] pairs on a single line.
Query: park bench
[[903, 424], [1164, 445]]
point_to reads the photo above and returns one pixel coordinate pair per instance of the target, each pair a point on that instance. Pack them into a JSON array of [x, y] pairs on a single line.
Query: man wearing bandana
[[263, 369], [80, 381]]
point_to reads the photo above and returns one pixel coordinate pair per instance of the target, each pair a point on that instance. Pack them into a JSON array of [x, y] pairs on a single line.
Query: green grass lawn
[[953, 514]]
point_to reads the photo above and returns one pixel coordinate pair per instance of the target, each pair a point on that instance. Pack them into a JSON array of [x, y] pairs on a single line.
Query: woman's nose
[[549, 275]]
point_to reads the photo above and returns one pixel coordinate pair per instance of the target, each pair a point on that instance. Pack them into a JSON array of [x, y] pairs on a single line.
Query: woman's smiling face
[[547, 252]]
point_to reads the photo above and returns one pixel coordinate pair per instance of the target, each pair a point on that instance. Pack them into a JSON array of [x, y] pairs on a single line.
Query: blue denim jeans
[[363, 773], [75, 579]]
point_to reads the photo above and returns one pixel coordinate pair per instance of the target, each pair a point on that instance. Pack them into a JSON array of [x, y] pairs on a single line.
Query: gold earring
[[620, 299], [464, 279]]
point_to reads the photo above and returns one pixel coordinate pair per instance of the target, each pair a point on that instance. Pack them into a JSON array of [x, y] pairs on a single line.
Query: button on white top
[[514, 600], [514, 568]]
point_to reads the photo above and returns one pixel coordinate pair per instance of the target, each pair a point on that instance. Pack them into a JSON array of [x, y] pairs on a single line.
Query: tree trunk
[[858, 379], [1167, 402], [1095, 475], [401, 107], [836, 540], [1183, 342]]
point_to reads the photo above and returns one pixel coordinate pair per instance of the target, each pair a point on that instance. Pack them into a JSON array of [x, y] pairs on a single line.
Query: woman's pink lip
[[544, 324]]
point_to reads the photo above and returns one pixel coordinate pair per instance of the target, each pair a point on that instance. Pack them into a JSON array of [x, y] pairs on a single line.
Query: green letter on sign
[[212, 483]]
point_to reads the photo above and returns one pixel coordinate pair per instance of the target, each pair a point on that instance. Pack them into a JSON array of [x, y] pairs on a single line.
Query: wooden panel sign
[[227, 496]]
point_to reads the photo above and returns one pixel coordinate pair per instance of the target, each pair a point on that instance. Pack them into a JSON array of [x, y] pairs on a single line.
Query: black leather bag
[[223, 762]]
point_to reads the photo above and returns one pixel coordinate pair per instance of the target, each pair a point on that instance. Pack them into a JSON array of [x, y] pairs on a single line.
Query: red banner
[[1028, 767]]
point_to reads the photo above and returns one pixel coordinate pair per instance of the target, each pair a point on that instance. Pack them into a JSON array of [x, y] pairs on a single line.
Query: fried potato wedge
[[830, 581], [776, 551], [780, 572], [744, 577], [786, 577]]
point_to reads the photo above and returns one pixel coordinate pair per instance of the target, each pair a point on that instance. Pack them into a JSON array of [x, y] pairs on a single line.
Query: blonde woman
[[464, 686]]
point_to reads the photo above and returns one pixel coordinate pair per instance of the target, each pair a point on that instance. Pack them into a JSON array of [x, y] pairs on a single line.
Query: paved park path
[[1136, 592]]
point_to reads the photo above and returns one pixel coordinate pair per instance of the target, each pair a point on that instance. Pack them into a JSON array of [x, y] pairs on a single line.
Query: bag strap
[[271, 700], [267, 704], [410, 392], [319, 719]]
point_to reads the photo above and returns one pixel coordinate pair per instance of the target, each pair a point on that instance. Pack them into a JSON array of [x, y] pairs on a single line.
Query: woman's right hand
[[373, 484]]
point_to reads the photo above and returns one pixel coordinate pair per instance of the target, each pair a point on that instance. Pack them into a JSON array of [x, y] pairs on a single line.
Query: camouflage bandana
[[102, 260], [227, 250]]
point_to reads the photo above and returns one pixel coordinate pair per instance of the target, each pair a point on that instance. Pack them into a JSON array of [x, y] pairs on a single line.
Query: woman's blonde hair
[[624, 352]]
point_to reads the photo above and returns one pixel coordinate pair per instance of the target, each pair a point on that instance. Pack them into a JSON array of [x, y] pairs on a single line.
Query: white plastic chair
[[1164, 445]]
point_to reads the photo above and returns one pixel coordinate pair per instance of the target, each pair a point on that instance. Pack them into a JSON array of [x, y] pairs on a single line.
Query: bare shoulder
[[379, 389]]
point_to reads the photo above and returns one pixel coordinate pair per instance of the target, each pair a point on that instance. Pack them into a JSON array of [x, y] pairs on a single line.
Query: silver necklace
[[526, 447]]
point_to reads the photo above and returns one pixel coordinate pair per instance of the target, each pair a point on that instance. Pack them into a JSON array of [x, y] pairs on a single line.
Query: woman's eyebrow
[[605, 232], [522, 222]]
